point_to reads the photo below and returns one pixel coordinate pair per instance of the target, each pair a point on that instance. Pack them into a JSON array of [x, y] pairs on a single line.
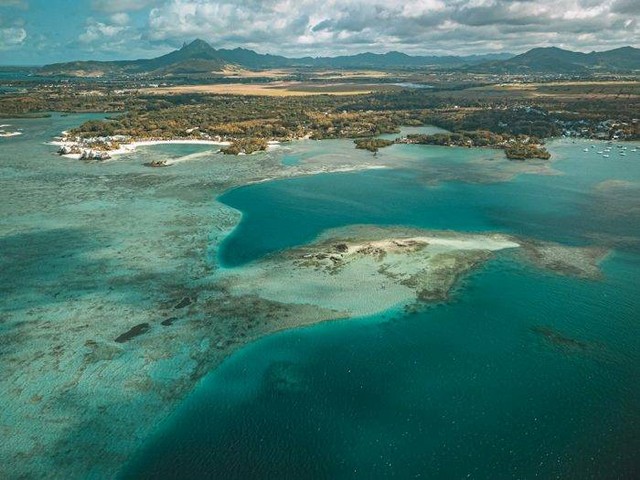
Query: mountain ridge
[[558, 60], [198, 57]]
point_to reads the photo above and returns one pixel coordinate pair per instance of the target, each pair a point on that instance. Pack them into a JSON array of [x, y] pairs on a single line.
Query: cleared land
[[567, 90], [273, 89]]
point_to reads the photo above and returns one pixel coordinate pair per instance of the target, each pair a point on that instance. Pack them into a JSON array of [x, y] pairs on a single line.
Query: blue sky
[[36, 32]]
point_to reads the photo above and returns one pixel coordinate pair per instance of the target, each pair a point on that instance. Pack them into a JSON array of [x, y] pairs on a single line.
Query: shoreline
[[173, 340], [4, 133], [391, 266], [131, 147]]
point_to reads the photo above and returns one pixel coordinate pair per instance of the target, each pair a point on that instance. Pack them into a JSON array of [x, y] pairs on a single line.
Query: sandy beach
[[131, 147], [365, 270]]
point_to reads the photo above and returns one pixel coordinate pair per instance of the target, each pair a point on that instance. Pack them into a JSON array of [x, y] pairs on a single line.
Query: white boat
[[586, 150]]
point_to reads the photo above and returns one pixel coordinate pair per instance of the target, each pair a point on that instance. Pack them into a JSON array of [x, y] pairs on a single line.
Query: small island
[[372, 144], [516, 147]]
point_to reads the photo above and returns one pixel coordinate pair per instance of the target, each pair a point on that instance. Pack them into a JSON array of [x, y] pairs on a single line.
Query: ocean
[[521, 373]]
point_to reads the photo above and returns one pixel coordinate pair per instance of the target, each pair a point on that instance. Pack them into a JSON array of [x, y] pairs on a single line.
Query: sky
[[36, 32]]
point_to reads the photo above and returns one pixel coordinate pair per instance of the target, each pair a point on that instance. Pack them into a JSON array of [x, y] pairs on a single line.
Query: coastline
[[5, 134], [364, 270], [192, 322], [130, 147]]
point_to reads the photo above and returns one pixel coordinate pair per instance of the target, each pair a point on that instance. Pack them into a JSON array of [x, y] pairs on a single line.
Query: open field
[[605, 97], [233, 72], [273, 89], [567, 90]]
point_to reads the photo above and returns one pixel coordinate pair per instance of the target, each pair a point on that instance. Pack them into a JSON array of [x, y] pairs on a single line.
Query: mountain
[[559, 61], [195, 57], [198, 57], [253, 60], [402, 60]]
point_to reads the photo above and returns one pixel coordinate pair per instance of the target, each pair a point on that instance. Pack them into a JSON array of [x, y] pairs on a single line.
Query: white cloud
[[420, 26], [113, 6], [119, 19], [14, 3], [98, 31], [11, 37]]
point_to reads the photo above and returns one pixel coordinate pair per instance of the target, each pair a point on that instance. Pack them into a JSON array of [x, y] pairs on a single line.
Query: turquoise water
[[566, 207], [463, 390], [524, 374], [290, 160]]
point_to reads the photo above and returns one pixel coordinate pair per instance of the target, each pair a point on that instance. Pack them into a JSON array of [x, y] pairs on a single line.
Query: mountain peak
[[197, 45]]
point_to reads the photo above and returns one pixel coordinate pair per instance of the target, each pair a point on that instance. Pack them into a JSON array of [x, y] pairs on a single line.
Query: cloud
[[114, 6], [11, 37], [111, 35], [419, 26], [627, 7], [22, 4], [124, 28], [98, 31], [119, 18], [12, 32]]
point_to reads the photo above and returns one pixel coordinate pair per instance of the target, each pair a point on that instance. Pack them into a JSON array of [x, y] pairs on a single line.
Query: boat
[[586, 150]]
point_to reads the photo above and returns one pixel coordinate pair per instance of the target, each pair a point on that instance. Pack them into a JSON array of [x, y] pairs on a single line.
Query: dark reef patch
[[557, 339], [139, 329], [185, 302], [169, 321]]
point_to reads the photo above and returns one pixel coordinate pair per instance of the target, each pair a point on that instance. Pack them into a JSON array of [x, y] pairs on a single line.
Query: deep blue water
[[565, 208], [469, 389]]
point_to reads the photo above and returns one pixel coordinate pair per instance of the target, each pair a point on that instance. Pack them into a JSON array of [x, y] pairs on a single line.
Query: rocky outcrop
[[69, 150], [94, 155]]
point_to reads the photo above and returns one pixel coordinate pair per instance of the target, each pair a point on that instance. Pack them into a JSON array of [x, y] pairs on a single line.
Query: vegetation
[[245, 146], [372, 144], [522, 151], [498, 116], [516, 147]]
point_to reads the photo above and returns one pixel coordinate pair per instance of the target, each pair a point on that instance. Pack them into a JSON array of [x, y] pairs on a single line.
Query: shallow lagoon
[[523, 372], [469, 388]]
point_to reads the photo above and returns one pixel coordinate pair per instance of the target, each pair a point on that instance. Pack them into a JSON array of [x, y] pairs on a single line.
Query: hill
[[559, 61], [195, 57], [198, 58]]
